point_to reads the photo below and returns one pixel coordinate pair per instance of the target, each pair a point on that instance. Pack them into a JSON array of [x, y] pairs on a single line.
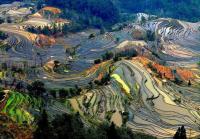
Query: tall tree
[[37, 88], [180, 133], [43, 130]]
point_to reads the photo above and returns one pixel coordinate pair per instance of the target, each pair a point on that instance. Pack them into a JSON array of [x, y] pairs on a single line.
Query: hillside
[[7, 1], [98, 12], [180, 9], [106, 69]]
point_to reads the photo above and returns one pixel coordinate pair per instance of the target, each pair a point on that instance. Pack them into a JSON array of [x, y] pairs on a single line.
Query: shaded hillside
[[72, 126], [7, 1], [98, 12], [89, 12], [11, 130], [181, 9], [104, 13]]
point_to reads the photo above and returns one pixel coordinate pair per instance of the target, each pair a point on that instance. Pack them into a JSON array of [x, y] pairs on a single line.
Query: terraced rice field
[[151, 108], [21, 107], [133, 96]]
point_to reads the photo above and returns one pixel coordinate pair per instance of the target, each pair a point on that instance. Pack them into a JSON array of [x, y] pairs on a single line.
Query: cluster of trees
[[104, 81], [38, 30], [53, 30], [127, 52], [56, 30], [180, 133], [72, 127], [117, 56], [1, 20], [107, 56], [37, 88], [66, 93], [3, 35]]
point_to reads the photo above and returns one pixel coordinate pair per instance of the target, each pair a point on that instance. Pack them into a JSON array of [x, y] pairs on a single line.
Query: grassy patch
[[123, 84], [18, 107]]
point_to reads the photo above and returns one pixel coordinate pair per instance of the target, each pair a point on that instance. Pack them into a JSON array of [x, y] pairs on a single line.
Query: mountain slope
[[181, 9]]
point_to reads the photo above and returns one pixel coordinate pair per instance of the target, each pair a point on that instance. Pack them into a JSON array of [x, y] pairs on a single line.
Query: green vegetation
[[71, 126], [18, 105], [95, 13], [123, 85], [61, 68], [51, 30], [127, 52], [3, 35], [100, 97], [100, 13], [104, 81], [4, 47], [68, 93], [198, 63], [104, 57], [107, 56]]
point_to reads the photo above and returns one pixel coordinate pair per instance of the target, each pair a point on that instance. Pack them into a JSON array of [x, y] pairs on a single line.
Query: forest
[[180, 9], [100, 13]]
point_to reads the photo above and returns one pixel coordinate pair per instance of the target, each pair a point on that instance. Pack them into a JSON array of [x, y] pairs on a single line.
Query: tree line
[[71, 126]]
